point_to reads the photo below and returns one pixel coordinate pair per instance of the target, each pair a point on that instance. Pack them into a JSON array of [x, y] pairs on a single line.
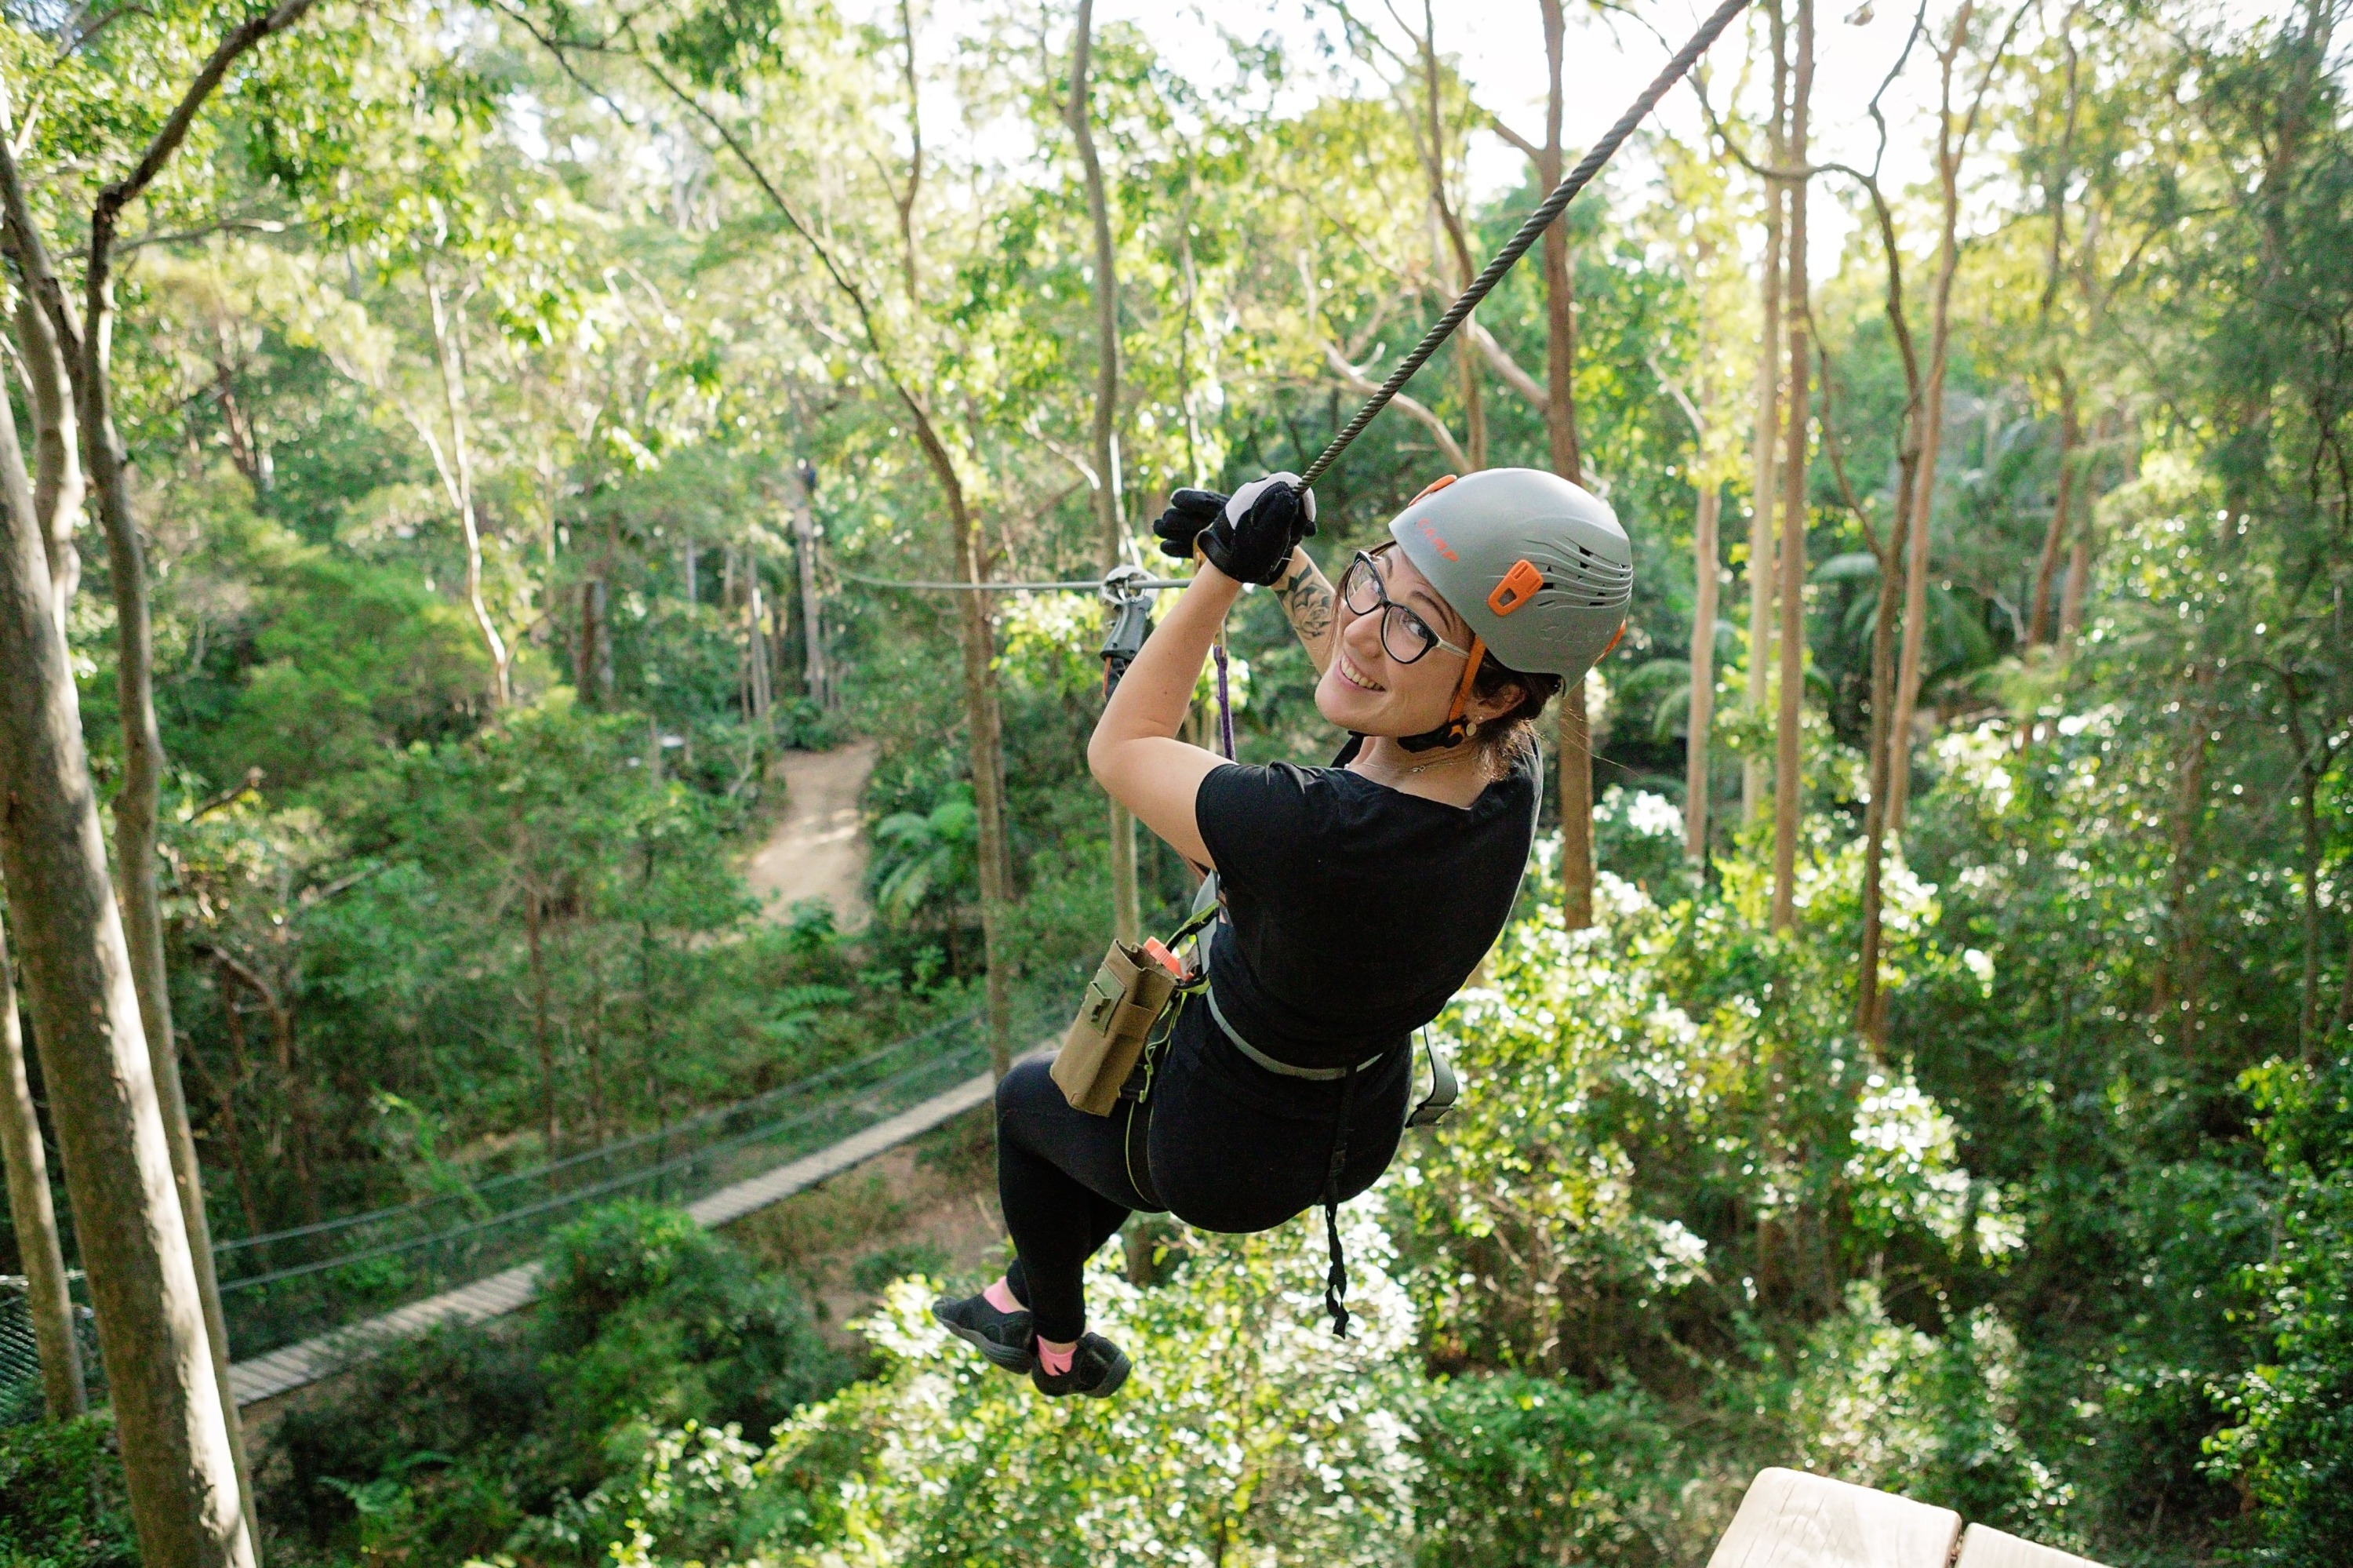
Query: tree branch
[[1674, 389], [234, 792], [1527, 149], [1500, 358], [166, 141], [1412, 409], [1837, 466]]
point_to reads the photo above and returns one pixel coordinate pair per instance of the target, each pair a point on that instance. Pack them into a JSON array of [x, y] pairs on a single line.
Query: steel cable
[[1529, 232]]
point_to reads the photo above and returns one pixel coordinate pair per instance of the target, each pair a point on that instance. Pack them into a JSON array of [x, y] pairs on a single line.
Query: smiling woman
[[1355, 899]]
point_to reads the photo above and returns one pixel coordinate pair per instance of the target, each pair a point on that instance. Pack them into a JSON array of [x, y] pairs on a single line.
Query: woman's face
[[1366, 688]]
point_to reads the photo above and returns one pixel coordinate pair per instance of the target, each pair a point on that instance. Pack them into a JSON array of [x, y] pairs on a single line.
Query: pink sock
[[1056, 1362], [1000, 1296]]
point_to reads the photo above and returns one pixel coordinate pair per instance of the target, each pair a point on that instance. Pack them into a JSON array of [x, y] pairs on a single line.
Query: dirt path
[[818, 850]]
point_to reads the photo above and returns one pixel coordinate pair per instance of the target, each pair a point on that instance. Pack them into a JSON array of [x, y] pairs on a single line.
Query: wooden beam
[[1790, 1519], [1984, 1547]]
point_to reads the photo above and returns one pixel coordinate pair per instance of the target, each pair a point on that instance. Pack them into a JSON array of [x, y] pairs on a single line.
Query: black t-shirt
[[1354, 911]]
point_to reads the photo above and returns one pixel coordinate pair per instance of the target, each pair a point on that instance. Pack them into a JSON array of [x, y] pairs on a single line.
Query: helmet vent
[[1589, 581]]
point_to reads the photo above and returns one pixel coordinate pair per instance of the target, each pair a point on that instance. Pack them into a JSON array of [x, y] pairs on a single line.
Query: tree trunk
[[1932, 435], [542, 1036], [1871, 1012], [2046, 566], [589, 644], [2071, 596], [978, 639], [1789, 777], [461, 481], [814, 675], [1126, 914], [755, 668], [224, 1095], [58, 485], [1753, 794], [1703, 674], [2314, 760], [186, 1501], [2177, 951], [303, 1128], [2309, 815], [136, 807], [35, 1217], [1869, 1007], [1575, 741], [2079, 552]]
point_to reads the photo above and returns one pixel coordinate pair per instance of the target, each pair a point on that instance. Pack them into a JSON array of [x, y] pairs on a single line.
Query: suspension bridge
[[305, 1303]]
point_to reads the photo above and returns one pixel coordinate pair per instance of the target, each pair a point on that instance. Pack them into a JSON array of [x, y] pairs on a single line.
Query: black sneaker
[[1005, 1337], [1097, 1369]]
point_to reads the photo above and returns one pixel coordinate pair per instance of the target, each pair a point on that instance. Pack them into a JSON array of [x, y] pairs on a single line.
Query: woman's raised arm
[[1134, 753], [1250, 536]]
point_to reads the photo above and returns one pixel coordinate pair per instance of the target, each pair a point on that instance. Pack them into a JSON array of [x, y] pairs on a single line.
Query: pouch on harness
[[1115, 1047]]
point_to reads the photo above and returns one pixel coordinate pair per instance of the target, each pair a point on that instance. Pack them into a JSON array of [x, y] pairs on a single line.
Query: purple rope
[[1225, 704]]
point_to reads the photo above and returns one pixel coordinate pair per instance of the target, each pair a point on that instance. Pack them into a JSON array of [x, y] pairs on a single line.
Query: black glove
[[1190, 512], [1249, 537]]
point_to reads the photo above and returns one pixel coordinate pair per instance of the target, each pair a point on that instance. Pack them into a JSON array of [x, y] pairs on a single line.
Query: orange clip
[[1160, 955], [1519, 586]]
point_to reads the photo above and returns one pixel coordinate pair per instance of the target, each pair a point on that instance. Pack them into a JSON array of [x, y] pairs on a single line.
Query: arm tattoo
[[1307, 602]]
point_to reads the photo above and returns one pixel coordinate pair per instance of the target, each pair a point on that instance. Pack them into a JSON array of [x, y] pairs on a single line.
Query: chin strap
[[1457, 727]]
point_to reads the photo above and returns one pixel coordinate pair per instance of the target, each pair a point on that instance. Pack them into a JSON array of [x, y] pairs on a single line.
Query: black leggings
[[1233, 1148]]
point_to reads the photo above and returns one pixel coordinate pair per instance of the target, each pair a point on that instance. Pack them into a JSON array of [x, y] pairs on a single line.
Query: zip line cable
[[1530, 231], [1091, 585], [1537, 222]]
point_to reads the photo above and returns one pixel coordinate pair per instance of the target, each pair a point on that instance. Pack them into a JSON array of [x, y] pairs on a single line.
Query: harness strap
[[1284, 1069], [1135, 1148], [1445, 1088], [1336, 1280]]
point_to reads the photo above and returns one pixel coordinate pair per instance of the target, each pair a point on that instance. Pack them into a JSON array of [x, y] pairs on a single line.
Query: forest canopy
[[457, 451]]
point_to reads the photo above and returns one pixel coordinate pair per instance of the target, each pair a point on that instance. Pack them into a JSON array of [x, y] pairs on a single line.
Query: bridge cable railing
[[290, 1284]]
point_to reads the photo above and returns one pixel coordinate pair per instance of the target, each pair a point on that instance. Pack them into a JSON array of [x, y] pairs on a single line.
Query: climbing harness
[[1167, 991]]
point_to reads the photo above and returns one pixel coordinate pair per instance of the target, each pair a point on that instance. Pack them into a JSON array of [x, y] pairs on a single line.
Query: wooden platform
[[285, 1370], [1791, 1520], [1984, 1547]]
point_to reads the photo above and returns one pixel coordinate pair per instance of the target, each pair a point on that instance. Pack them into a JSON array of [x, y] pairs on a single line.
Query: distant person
[[1357, 898]]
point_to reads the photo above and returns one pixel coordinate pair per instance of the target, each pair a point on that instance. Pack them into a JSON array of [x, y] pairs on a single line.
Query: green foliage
[[2293, 1438], [62, 1503], [1246, 1424], [2069, 1252], [350, 664], [616, 1256], [1527, 1469], [1669, 1127], [924, 857], [644, 1320], [876, 1270]]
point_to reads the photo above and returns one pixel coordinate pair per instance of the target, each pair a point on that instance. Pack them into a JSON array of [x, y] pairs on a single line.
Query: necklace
[[1433, 762]]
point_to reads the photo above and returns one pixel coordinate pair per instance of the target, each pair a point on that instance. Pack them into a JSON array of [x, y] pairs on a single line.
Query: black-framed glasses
[[1405, 635]]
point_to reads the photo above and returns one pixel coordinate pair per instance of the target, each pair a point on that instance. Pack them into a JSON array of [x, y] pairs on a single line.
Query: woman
[[1357, 897]]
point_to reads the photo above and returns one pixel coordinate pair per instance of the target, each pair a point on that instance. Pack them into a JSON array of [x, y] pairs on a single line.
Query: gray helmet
[[1539, 567]]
